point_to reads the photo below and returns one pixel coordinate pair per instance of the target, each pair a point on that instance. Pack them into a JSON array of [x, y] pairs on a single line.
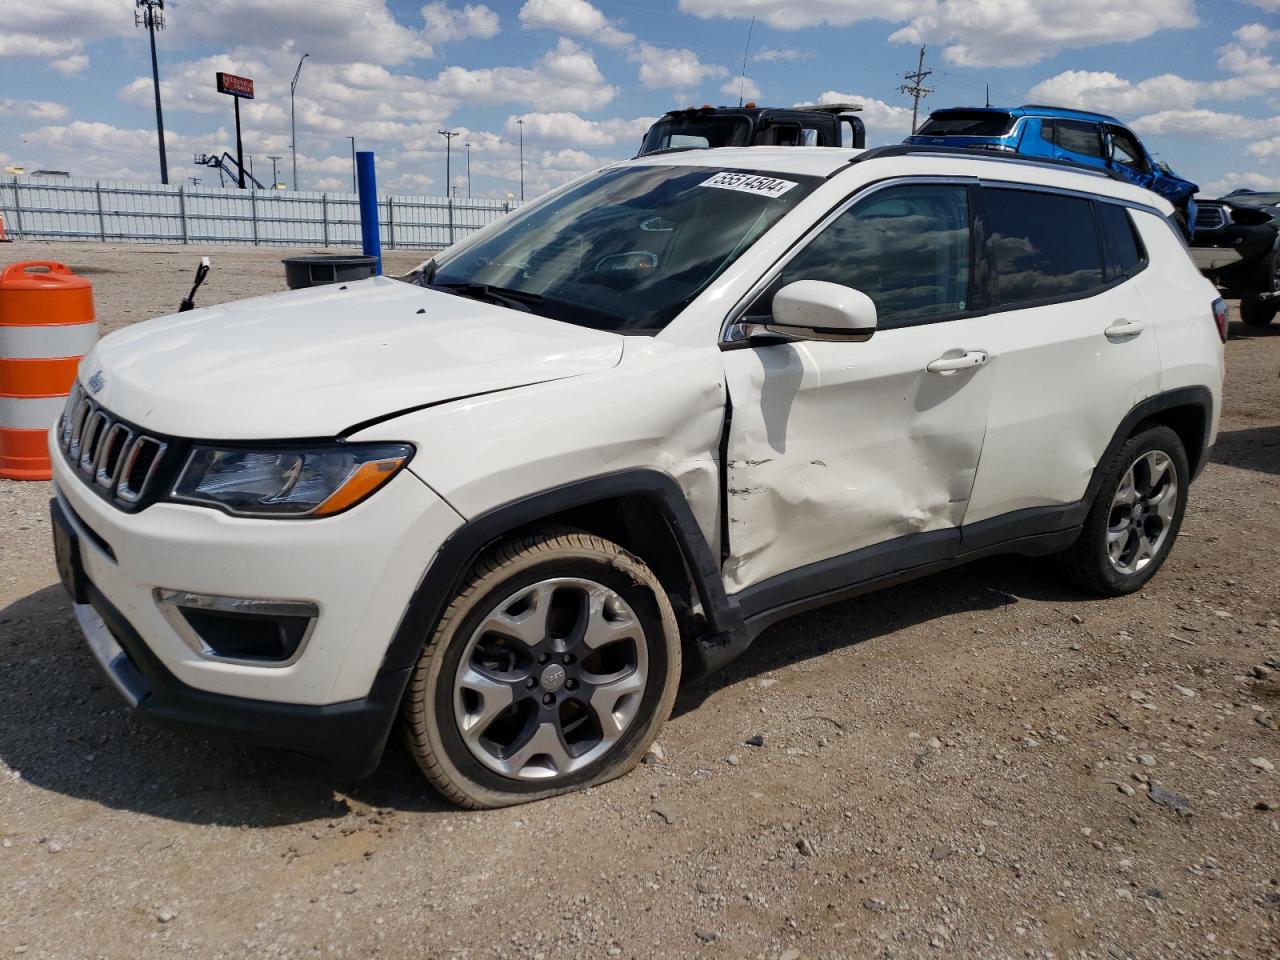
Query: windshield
[[696, 132], [625, 250], [966, 123]]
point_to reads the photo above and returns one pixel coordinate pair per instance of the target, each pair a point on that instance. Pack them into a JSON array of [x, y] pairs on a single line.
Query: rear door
[[1079, 141], [1074, 351]]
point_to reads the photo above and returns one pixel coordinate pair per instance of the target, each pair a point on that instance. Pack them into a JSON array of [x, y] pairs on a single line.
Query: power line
[[915, 89]]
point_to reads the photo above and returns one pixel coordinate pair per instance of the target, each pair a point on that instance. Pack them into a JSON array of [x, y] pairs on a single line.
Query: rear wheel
[[553, 669], [1135, 516]]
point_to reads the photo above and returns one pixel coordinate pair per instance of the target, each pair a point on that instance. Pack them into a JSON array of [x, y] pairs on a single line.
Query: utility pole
[[468, 171], [273, 160], [354, 188], [293, 124], [914, 88], [150, 14], [521, 124], [448, 155]]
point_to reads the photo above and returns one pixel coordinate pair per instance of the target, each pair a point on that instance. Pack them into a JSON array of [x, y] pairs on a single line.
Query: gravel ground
[[984, 764]]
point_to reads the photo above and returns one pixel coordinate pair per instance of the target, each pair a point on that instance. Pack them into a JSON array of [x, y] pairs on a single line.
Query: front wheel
[[553, 669], [1135, 515]]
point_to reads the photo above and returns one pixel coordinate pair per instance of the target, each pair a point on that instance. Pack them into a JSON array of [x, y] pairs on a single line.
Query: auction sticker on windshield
[[770, 187]]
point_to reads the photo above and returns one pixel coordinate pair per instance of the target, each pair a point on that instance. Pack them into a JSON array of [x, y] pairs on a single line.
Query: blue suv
[[1078, 136]]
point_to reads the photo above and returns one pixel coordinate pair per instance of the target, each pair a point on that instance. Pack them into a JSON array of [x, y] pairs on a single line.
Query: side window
[[1121, 254], [1046, 131], [1079, 137], [810, 137], [1125, 150], [785, 135], [1044, 245], [906, 247]]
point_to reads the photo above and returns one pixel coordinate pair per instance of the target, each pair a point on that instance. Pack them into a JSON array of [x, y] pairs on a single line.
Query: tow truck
[[805, 125]]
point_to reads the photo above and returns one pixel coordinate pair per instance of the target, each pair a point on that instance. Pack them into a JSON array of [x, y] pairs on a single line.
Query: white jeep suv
[[610, 438]]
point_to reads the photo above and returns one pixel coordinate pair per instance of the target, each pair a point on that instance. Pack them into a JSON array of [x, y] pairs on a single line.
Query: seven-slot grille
[[114, 458], [1210, 217]]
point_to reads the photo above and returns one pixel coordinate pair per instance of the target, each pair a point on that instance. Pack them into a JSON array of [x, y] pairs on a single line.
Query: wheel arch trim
[[464, 546], [1196, 398]]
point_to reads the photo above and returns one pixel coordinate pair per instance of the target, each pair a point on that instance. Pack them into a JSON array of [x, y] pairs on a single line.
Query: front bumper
[[340, 740]]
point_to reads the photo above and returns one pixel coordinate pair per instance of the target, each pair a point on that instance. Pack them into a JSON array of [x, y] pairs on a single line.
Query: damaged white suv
[[610, 438]]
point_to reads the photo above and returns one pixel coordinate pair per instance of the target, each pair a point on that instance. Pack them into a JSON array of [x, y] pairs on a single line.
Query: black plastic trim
[[345, 740], [465, 545]]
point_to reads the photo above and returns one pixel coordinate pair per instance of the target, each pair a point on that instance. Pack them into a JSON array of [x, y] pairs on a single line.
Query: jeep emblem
[[553, 678], [97, 382]]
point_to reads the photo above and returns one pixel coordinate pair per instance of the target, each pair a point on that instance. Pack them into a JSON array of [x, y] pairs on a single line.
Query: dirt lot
[[966, 766]]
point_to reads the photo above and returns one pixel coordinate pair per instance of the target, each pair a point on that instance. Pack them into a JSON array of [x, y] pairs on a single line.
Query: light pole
[[151, 15], [468, 171], [293, 125], [448, 156], [521, 124], [273, 160], [354, 188]]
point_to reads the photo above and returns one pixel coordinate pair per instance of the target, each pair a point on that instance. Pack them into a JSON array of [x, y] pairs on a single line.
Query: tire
[[552, 670], [1121, 547], [1256, 313]]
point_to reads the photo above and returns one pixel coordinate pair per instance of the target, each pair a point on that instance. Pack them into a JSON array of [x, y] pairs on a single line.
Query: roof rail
[[976, 153]]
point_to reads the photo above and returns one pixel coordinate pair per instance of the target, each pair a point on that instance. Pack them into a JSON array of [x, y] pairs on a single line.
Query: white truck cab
[[508, 501]]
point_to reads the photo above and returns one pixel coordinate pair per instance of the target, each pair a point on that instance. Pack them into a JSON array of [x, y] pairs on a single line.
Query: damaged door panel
[[838, 446]]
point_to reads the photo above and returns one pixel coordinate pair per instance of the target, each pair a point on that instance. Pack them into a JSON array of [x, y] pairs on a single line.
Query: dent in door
[[881, 450]]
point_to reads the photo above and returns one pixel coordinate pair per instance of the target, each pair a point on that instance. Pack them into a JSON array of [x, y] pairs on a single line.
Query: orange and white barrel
[[47, 324]]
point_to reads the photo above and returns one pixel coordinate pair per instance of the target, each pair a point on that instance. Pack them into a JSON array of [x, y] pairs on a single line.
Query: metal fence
[[69, 209]]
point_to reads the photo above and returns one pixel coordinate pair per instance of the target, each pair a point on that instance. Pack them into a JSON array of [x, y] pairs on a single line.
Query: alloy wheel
[[551, 679], [1142, 511]]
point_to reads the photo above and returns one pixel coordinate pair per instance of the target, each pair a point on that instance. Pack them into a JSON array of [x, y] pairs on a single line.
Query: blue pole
[[370, 239]]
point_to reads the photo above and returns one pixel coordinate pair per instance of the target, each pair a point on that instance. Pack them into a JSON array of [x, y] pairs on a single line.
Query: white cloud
[[445, 24], [577, 17], [1105, 91], [1205, 123], [566, 76], [673, 67], [974, 32], [571, 129], [72, 65], [881, 118], [1265, 149], [36, 109], [1235, 181], [1018, 32], [743, 87], [1251, 72]]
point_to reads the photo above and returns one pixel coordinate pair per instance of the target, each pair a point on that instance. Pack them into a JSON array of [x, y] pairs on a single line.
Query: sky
[[1198, 80]]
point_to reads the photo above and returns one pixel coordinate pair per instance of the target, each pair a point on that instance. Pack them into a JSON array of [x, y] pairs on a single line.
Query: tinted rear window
[[1120, 251], [1044, 245], [966, 123]]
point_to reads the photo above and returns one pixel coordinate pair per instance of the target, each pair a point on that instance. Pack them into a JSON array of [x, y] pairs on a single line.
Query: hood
[[312, 363]]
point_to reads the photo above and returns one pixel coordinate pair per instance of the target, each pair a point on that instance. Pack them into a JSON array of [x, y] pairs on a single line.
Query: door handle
[[1124, 329], [973, 358]]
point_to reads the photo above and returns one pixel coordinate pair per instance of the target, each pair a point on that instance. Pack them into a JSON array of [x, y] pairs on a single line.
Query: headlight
[[312, 481]]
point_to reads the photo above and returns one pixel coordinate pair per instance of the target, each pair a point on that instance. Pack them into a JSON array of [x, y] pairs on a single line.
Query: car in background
[[1237, 246], [1075, 136], [805, 125]]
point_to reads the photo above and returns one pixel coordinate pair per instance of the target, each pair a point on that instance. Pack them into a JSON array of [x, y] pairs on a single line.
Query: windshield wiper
[[503, 296]]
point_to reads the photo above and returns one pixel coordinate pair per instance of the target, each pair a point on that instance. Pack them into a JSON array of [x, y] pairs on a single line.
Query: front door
[[838, 447]]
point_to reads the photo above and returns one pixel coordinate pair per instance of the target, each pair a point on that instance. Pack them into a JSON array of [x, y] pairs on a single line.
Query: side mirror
[[818, 310]]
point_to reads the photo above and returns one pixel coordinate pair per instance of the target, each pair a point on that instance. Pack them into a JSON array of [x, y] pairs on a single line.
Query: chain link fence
[[72, 209]]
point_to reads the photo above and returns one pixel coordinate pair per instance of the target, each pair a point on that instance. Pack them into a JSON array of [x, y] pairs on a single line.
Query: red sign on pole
[[235, 86]]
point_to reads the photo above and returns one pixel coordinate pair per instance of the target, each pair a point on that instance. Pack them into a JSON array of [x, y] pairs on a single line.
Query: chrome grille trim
[[105, 451]]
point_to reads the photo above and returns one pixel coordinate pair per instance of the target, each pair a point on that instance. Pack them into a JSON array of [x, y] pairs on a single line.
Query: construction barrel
[[47, 325]]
